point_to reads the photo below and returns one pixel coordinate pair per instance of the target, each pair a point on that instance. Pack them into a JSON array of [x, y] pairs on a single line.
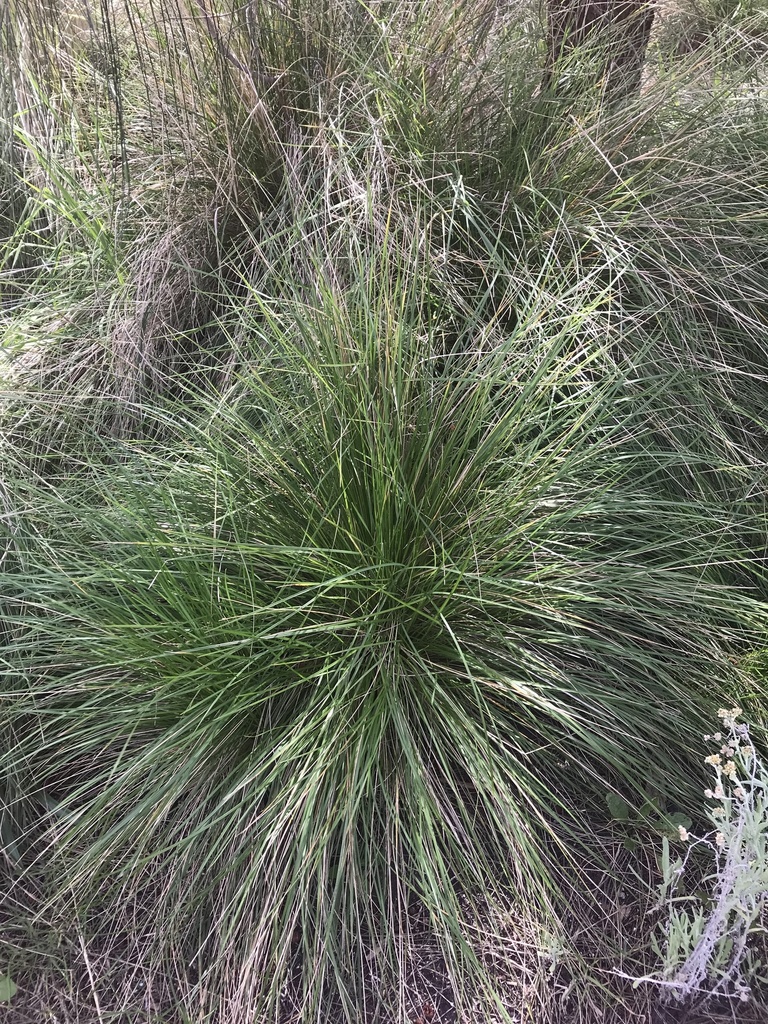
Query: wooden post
[[613, 34]]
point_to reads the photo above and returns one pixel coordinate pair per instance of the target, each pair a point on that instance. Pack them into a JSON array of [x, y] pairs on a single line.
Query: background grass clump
[[383, 505]]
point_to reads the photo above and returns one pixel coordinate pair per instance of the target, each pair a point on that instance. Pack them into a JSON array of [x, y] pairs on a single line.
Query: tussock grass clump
[[383, 487], [373, 636]]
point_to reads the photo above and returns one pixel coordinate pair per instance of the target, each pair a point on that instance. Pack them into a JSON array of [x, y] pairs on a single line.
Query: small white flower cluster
[[734, 744], [706, 951]]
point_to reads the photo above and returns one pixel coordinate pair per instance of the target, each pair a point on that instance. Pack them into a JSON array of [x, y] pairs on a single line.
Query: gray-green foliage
[[708, 947]]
